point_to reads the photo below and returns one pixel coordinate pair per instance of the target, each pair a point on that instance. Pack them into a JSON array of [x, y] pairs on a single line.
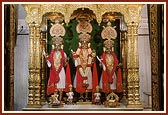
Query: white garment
[[70, 95], [61, 83], [97, 96], [62, 76]]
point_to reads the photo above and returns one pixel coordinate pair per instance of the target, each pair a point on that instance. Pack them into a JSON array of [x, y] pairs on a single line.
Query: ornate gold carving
[[53, 16], [31, 87], [31, 66], [37, 80], [34, 66], [72, 7], [110, 62], [132, 13], [37, 48], [83, 14], [111, 16], [37, 68], [36, 11], [112, 100], [133, 66], [31, 49], [33, 13]]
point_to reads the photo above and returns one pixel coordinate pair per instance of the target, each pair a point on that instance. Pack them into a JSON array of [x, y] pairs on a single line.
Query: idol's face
[[108, 50], [57, 47], [84, 44]]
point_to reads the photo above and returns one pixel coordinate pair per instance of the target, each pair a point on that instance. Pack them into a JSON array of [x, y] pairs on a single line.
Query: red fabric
[[79, 82], [105, 83], [94, 78], [94, 81], [54, 74], [51, 85], [119, 81], [68, 78], [107, 74]]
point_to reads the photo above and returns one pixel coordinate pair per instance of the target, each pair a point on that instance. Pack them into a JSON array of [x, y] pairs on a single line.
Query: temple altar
[[38, 16]]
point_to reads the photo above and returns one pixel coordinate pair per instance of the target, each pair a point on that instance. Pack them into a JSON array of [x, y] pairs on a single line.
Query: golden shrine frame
[[132, 17]]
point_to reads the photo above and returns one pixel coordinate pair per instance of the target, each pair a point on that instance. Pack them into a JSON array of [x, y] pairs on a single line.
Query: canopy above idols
[[35, 12]]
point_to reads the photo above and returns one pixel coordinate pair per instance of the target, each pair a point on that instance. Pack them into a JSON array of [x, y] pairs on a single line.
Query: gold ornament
[[109, 32]]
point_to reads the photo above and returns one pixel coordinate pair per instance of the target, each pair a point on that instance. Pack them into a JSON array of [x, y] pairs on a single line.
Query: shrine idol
[[111, 78], [85, 80], [59, 80]]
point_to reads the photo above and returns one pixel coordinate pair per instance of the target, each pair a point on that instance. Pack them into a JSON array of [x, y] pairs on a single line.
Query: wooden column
[[10, 31], [156, 25]]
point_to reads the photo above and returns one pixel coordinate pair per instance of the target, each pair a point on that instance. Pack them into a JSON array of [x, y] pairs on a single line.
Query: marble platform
[[75, 107]]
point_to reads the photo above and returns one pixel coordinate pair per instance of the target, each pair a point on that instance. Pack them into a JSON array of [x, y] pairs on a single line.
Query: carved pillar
[[133, 66], [124, 63], [34, 66], [31, 65], [132, 19], [38, 65]]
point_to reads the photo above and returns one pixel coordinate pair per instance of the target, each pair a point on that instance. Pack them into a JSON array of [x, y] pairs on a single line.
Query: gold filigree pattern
[[34, 99], [36, 11], [57, 60], [110, 62], [133, 66]]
